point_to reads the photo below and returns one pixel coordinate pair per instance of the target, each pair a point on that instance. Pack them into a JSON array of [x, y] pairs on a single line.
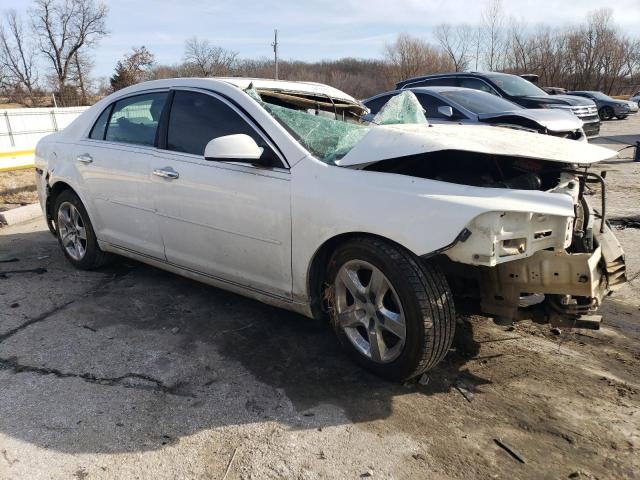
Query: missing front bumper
[[574, 283]]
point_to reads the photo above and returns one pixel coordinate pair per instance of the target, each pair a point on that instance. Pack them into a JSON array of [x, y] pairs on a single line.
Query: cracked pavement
[[131, 372]]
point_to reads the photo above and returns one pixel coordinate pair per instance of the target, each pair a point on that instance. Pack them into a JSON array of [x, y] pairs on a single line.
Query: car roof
[[289, 85], [310, 88], [449, 74], [439, 89]]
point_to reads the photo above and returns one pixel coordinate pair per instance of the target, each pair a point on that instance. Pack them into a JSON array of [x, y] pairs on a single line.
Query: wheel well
[[318, 268], [52, 194]]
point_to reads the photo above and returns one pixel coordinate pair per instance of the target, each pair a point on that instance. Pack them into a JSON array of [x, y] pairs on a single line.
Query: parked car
[[636, 99], [515, 89], [467, 106], [278, 191], [633, 106], [607, 107]]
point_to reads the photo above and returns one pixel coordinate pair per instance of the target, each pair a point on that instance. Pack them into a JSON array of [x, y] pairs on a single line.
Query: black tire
[[621, 117], [605, 113], [93, 257], [426, 301]]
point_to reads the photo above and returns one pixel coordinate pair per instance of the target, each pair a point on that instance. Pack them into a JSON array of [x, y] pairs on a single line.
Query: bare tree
[[79, 71], [132, 69], [409, 56], [208, 60], [457, 42], [63, 27], [493, 34], [17, 56]]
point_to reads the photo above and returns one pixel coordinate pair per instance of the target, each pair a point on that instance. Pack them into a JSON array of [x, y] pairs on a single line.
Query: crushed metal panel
[[546, 272], [393, 141]]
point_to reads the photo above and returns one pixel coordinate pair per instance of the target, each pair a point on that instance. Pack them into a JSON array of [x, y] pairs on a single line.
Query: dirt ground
[[17, 188], [131, 372]]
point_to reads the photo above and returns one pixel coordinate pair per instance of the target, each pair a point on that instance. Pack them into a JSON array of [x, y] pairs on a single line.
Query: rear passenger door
[[114, 163], [226, 219]]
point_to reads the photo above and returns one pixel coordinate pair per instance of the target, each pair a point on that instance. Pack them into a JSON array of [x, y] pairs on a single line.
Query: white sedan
[[277, 190]]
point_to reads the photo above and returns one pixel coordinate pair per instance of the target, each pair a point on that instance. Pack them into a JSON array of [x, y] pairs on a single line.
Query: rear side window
[[197, 118], [476, 84], [135, 119], [376, 104], [97, 132]]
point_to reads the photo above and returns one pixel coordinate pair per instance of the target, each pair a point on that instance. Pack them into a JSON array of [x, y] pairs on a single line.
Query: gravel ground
[[131, 372]]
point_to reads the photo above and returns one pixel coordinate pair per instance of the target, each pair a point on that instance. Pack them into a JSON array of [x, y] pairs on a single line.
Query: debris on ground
[[509, 449], [462, 387], [556, 331]]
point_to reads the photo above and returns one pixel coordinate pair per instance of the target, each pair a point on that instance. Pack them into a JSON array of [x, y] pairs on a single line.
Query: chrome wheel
[[369, 311], [71, 231]]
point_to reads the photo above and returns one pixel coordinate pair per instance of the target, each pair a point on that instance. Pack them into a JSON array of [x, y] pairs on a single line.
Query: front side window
[[135, 119], [196, 119], [431, 104]]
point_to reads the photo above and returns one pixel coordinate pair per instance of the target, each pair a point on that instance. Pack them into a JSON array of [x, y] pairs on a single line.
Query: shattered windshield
[[327, 138]]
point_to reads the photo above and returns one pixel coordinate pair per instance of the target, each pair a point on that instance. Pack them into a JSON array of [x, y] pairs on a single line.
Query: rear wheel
[[75, 233], [392, 312], [605, 113]]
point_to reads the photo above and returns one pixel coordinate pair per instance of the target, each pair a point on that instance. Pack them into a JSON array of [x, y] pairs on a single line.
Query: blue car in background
[[607, 107]]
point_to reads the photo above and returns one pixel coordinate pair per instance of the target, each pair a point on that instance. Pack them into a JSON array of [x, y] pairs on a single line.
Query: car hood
[[566, 99], [393, 141], [555, 120]]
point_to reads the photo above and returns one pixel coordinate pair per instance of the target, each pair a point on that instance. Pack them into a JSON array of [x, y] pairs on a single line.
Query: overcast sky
[[310, 30]]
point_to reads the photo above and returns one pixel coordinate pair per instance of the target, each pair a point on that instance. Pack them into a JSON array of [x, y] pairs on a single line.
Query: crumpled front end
[[551, 268]]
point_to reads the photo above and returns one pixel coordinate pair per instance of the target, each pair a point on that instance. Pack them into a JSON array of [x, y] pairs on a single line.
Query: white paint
[[254, 230], [392, 141]]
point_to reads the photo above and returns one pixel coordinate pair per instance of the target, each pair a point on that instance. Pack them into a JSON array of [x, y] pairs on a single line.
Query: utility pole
[[275, 50]]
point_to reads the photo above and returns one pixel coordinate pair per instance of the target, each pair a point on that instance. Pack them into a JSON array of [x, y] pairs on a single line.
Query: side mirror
[[236, 148], [447, 111]]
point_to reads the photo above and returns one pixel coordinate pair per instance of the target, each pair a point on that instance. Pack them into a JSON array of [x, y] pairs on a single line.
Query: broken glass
[[327, 139], [402, 108]]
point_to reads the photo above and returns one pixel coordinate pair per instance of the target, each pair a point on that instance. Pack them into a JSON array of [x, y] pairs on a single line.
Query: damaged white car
[[278, 191]]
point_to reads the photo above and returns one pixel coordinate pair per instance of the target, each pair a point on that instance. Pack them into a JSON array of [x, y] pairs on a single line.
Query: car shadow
[[147, 357]]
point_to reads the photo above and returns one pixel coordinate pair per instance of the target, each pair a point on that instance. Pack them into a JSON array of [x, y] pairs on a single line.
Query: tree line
[[50, 56]]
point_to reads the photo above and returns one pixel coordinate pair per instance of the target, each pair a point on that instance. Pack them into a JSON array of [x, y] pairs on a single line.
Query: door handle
[[166, 173], [85, 158]]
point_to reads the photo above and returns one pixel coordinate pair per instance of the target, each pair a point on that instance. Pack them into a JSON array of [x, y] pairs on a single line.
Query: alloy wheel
[[71, 231], [369, 311]]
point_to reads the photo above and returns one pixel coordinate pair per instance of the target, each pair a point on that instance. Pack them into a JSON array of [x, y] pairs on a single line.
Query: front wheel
[[75, 233], [391, 311], [605, 113]]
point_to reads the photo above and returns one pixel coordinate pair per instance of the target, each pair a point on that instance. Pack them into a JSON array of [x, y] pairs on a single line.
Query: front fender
[[422, 215]]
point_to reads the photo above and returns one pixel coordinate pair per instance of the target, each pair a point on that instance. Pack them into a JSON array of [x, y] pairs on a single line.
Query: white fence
[[21, 128]]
